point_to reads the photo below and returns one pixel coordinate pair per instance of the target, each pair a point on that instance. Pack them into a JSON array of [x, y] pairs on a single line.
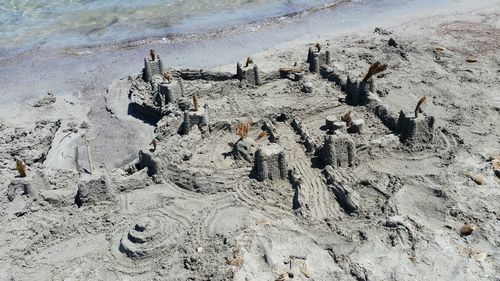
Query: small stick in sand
[[419, 104], [167, 76], [249, 61], [77, 163], [196, 103], [318, 46], [374, 69], [152, 54], [347, 118], [89, 154], [21, 168], [261, 135]]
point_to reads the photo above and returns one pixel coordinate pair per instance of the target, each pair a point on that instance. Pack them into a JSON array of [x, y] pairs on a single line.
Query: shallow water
[[27, 24]]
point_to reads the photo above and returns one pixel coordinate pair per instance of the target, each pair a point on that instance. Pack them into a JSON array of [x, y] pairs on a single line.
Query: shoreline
[[49, 64], [98, 57], [176, 36]]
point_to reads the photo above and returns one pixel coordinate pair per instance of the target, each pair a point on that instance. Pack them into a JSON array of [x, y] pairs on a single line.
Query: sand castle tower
[[415, 130], [317, 58], [95, 189], [249, 75], [270, 163], [193, 118], [152, 68], [169, 92], [338, 151], [353, 92], [244, 149]]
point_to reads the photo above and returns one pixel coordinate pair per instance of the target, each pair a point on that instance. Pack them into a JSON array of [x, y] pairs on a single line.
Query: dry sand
[[386, 203]]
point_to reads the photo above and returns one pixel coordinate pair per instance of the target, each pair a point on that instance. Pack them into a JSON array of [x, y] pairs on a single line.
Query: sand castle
[[291, 144], [271, 161], [357, 92], [269, 157], [334, 171]]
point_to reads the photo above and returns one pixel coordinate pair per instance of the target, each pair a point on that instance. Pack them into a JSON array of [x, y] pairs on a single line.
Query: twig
[[65, 136], [196, 103], [89, 153], [77, 164]]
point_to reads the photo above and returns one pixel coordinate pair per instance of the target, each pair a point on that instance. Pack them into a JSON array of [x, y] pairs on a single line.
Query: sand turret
[[317, 58], [195, 118], [249, 74], [169, 93], [415, 130], [338, 151], [270, 162], [152, 68]]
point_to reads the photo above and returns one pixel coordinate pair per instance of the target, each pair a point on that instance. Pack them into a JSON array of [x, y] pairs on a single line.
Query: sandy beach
[[363, 149]]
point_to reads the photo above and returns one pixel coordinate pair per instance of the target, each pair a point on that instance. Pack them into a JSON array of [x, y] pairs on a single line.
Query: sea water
[[28, 24]]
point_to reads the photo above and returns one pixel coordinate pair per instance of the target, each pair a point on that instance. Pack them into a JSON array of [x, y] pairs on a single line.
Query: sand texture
[[293, 167]]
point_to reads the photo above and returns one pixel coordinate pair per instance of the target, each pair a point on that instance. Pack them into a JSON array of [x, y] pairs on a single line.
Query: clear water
[[28, 24]]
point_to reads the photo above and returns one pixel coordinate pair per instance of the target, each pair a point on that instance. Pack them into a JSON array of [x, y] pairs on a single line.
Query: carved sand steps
[[319, 200], [145, 241]]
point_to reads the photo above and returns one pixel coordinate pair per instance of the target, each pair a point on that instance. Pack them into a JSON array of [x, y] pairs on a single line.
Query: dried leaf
[[21, 168], [242, 129], [347, 118], [374, 69], [261, 135], [249, 61], [419, 104], [318, 46], [152, 54], [167, 76], [467, 229]]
